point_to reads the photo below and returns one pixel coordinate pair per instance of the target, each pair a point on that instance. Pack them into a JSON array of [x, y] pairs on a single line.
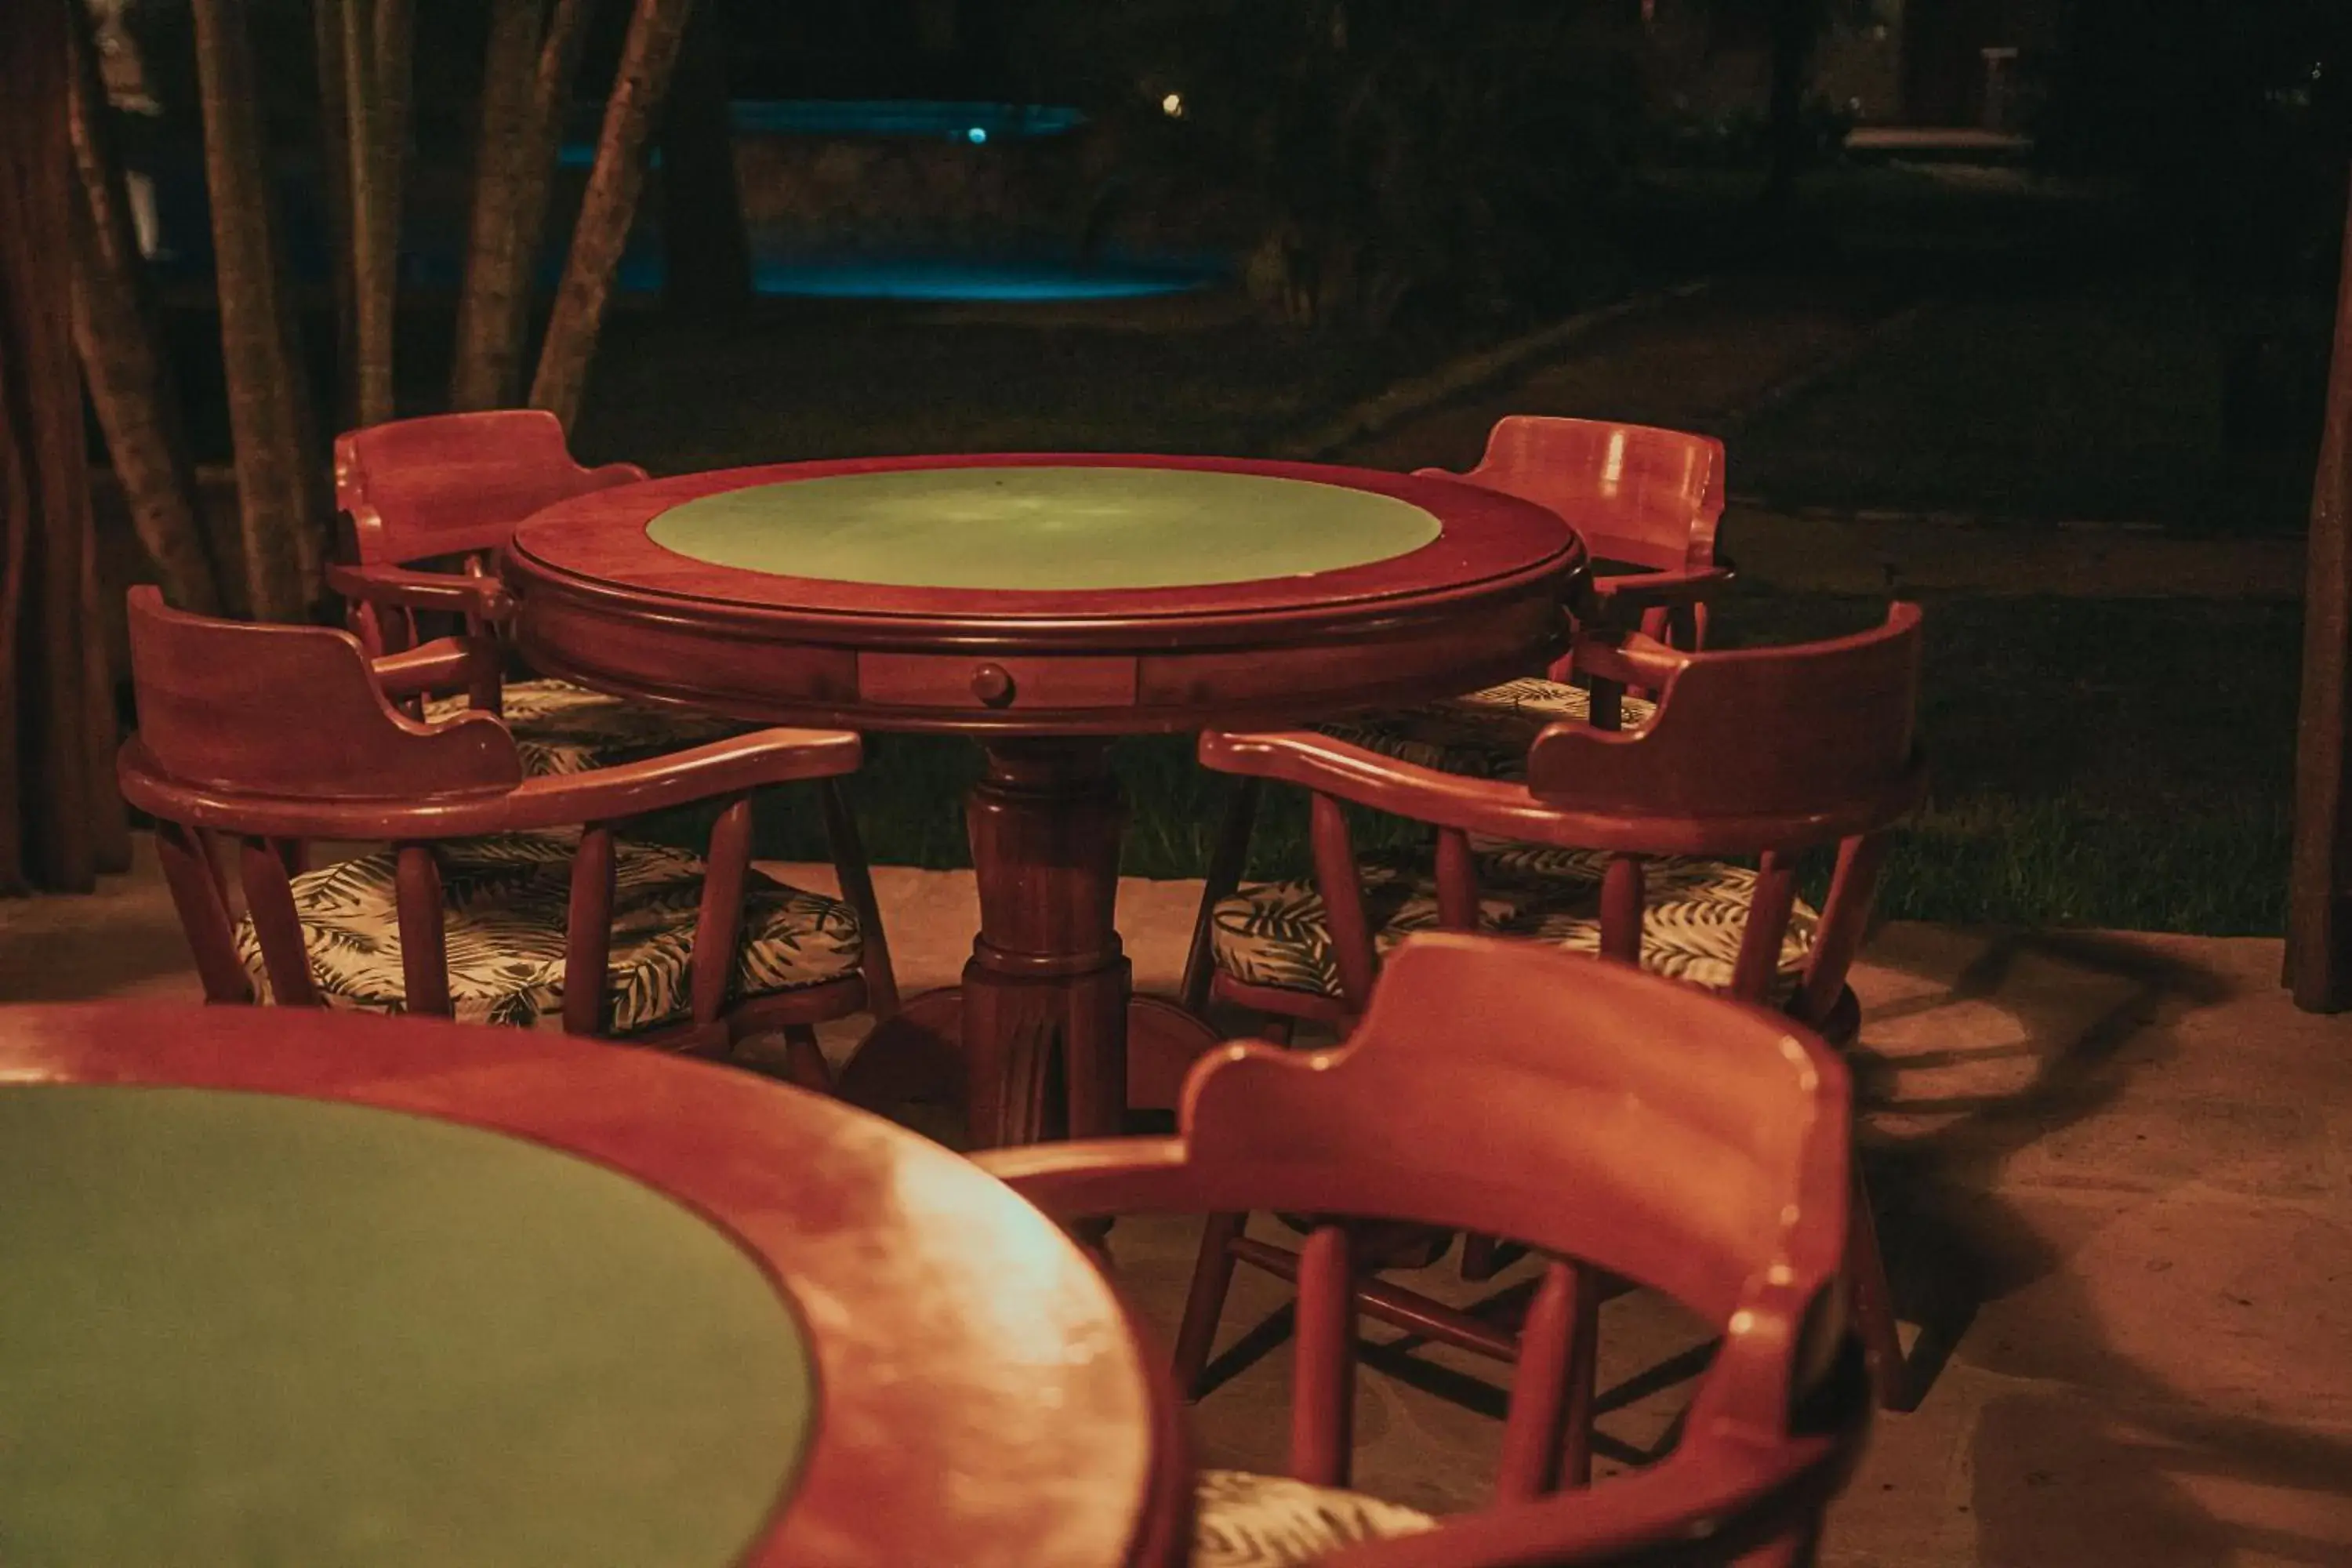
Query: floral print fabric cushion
[[1277, 933], [1244, 1520], [505, 898], [560, 727], [1484, 734]]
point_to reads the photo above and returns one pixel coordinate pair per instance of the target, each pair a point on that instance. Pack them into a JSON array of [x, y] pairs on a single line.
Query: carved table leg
[[1047, 984], [1047, 981]]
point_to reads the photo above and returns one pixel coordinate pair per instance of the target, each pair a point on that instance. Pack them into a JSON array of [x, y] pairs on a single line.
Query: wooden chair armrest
[[607, 475], [485, 597], [1622, 591], [1628, 658], [441, 665], [1089, 1179], [725, 767], [1369, 778]]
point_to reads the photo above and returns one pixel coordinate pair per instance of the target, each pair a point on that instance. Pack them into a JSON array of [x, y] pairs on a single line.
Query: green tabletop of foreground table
[[1041, 603], [283, 1286]]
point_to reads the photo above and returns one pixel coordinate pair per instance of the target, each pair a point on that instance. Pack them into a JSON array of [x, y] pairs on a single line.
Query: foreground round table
[[281, 1285], [1041, 603]]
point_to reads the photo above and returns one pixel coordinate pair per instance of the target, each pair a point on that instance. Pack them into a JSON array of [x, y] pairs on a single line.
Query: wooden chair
[[424, 505], [1611, 1120], [1610, 846], [1647, 502], [503, 897]]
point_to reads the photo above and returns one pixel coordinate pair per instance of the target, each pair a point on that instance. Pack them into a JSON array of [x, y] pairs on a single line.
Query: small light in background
[[977, 135], [1173, 106]]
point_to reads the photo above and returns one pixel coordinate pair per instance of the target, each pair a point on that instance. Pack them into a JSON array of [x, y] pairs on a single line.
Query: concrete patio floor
[[2114, 1181]]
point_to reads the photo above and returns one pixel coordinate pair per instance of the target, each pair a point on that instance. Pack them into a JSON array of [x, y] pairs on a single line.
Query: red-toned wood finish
[[1706, 1144], [453, 484], [957, 1336], [1836, 765], [280, 735], [1641, 497], [1041, 679], [447, 492]]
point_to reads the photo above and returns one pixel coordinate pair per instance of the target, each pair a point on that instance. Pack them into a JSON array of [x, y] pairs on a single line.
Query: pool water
[[1005, 273]]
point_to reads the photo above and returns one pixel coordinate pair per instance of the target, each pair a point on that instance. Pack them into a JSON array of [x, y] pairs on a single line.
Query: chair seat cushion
[[1245, 1520], [1484, 734], [504, 898], [560, 727], [1279, 934]]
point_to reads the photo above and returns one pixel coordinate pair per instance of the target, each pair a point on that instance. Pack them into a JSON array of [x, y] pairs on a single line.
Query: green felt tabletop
[[240, 1329], [1044, 528]]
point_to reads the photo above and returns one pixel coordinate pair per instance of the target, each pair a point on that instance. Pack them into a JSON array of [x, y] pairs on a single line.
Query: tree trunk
[[2319, 925], [279, 480], [527, 88], [708, 253], [114, 327], [610, 202], [375, 38], [54, 827], [335, 177]]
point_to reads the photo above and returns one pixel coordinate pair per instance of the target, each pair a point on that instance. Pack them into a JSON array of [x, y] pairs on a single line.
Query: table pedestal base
[[1046, 994], [918, 1056]]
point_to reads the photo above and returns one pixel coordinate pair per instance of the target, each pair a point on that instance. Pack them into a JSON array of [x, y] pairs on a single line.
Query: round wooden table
[[280, 1285], [1040, 604]]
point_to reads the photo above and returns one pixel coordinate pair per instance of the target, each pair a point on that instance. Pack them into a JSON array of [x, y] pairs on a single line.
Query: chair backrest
[[274, 712], [1592, 1110], [454, 483], [1811, 732], [1638, 494]]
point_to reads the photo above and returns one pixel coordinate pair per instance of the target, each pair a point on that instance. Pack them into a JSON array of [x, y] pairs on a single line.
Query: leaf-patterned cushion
[[504, 898], [1277, 933], [1245, 1520], [1484, 734], [560, 727]]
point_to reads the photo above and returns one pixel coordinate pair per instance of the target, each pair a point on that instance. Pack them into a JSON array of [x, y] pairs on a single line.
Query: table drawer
[[995, 685]]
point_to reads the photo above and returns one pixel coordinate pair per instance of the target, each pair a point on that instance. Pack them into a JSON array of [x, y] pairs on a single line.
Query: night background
[[2020, 308]]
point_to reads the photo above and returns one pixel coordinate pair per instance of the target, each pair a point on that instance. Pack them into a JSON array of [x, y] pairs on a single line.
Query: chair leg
[[856, 876], [195, 885], [1481, 1258], [1583, 1377], [1204, 1304], [1874, 1303], [804, 1063], [1226, 862]]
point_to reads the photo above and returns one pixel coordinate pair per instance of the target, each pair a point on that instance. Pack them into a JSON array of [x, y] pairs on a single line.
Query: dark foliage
[[1388, 149]]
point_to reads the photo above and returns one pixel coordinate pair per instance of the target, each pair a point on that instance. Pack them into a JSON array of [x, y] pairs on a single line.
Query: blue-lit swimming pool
[[825, 248]]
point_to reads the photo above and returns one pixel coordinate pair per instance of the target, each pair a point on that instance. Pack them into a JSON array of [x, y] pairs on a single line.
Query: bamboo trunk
[[514, 173], [2318, 926], [375, 38], [646, 59], [280, 488], [115, 334], [50, 812]]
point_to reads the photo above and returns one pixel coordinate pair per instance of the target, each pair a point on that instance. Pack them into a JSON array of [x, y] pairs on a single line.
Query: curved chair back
[[279, 735], [453, 484], [1597, 1113], [1814, 730], [1644, 495], [279, 711]]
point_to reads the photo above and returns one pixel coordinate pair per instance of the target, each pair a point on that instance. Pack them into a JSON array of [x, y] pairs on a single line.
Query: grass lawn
[[2109, 764]]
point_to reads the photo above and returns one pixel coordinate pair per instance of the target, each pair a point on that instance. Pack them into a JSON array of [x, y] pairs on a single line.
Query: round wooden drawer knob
[[992, 684]]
